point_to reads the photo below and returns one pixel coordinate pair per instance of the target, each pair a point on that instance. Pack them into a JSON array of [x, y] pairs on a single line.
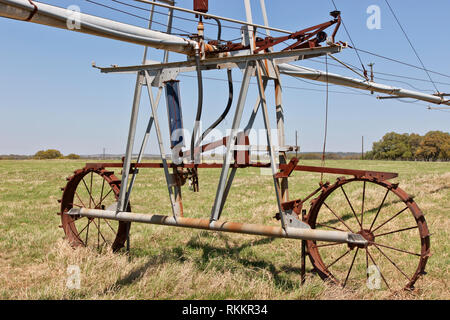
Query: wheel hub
[[368, 235]]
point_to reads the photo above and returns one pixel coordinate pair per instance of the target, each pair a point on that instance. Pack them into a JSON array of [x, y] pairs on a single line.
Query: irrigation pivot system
[[382, 228]]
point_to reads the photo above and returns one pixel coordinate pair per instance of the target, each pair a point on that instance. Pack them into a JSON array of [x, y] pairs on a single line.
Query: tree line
[[433, 146], [41, 155]]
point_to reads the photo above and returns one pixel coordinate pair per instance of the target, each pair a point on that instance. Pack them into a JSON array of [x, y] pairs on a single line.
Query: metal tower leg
[[130, 143], [269, 140], [215, 213], [174, 206]]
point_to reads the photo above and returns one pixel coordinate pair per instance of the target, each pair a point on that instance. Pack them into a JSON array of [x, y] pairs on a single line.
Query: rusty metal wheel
[[393, 224], [98, 189]]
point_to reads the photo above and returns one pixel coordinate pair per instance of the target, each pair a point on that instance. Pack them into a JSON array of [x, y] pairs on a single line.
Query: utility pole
[[296, 144], [104, 155], [362, 147], [371, 73]]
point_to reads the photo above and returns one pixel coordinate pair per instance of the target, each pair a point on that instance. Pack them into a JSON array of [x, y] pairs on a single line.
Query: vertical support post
[[279, 113], [175, 209], [215, 213], [130, 144], [281, 136], [125, 195], [303, 257], [263, 102], [362, 147], [269, 141]]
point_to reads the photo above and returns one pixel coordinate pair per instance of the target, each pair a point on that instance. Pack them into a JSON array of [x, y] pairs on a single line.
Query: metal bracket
[[291, 220]]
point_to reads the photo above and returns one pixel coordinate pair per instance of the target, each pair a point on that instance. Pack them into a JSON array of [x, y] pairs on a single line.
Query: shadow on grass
[[231, 252], [174, 254]]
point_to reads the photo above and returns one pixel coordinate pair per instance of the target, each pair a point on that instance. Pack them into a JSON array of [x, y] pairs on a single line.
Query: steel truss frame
[[264, 68]]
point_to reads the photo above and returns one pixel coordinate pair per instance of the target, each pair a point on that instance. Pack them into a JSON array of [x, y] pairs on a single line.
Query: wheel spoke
[[398, 213], [329, 244], [395, 265], [101, 194], [106, 195], [87, 233], [101, 234], [367, 265], [76, 205], [396, 249], [90, 191], [381, 274], [339, 218], [98, 234], [84, 206], [109, 225], [339, 258], [79, 233], [362, 205], [90, 195], [327, 226], [349, 203], [351, 266], [379, 209], [395, 231]]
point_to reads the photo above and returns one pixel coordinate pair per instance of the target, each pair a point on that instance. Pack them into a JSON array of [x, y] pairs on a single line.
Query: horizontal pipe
[[206, 63], [59, 17], [272, 231], [208, 15], [317, 75]]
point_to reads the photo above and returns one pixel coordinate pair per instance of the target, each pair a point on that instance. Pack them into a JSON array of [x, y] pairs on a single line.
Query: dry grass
[[174, 263]]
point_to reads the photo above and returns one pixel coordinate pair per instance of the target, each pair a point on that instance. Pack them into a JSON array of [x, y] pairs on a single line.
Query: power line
[[410, 43], [379, 72], [400, 62], [388, 74], [351, 40], [134, 15], [176, 17]]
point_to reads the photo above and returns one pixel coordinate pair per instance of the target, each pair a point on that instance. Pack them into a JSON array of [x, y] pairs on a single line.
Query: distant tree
[[48, 154], [435, 145], [414, 142], [393, 146], [72, 156]]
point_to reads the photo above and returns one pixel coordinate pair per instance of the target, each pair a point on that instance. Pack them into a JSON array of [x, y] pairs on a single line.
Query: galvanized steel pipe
[[317, 75], [58, 17], [293, 233]]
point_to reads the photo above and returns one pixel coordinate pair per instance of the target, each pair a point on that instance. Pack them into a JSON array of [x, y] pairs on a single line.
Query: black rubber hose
[[199, 105], [225, 112], [219, 27]]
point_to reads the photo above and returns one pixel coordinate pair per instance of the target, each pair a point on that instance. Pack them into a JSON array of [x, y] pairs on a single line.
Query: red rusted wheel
[[98, 189], [396, 230]]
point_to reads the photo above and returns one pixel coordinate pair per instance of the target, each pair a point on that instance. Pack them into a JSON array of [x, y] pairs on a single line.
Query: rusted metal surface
[[307, 38], [201, 5], [284, 168], [71, 198], [234, 227], [369, 232]]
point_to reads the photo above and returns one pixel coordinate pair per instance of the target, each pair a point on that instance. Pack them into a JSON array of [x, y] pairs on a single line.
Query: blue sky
[[51, 97]]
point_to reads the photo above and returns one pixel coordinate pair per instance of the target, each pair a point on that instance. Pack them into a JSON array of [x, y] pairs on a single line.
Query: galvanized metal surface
[[57, 17], [293, 233]]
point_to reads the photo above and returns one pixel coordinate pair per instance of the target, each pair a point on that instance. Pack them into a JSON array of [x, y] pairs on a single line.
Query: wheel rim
[[391, 222], [95, 189]]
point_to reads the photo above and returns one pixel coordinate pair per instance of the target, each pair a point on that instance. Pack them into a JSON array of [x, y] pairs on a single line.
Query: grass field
[[177, 263]]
